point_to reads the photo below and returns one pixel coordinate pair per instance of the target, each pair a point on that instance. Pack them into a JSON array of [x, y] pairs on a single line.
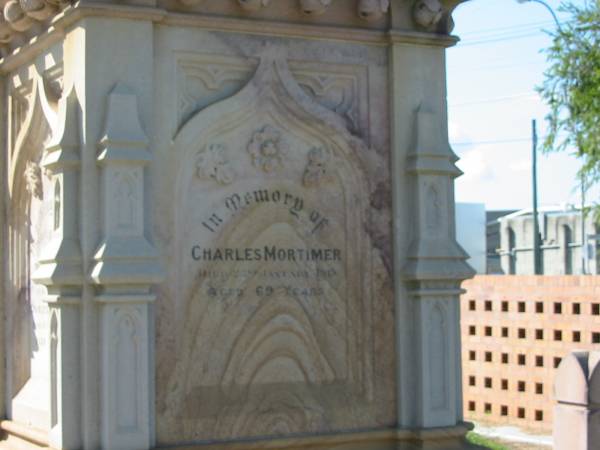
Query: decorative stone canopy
[[19, 16], [23, 20], [230, 222]]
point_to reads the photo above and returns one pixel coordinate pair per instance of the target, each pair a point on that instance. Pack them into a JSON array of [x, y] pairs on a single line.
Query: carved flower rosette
[[33, 179], [213, 163], [317, 170], [267, 149]]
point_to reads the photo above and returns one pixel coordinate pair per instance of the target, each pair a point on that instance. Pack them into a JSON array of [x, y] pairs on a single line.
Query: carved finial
[[253, 5], [33, 179], [6, 32], [16, 17], [314, 7], [428, 13], [372, 10]]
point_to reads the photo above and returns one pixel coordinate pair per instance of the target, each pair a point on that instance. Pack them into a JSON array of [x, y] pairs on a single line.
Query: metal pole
[[545, 5], [583, 239], [536, 226], [549, 8]]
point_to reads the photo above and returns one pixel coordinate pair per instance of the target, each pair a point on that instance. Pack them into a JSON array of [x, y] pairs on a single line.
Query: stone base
[[18, 437], [15, 436], [452, 438]]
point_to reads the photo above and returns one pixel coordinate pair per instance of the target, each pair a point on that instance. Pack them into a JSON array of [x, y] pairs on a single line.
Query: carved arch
[[27, 206], [438, 357], [37, 129], [274, 94]]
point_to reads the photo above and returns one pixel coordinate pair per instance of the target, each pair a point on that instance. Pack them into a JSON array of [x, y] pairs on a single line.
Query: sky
[[492, 75]]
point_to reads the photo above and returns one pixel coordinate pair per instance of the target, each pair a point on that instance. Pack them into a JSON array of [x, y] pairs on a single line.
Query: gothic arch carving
[[438, 357], [283, 342], [37, 128], [28, 319]]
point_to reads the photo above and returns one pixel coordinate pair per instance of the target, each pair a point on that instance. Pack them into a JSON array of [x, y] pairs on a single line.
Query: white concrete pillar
[[60, 270], [577, 412], [126, 267], [106, 54], [427, 258]]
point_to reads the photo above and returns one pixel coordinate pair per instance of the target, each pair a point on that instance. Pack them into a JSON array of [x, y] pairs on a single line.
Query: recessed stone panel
[[277, 279]]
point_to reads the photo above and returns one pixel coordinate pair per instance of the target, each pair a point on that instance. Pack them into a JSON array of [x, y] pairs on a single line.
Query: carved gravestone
[[229, 222], [270, 229]]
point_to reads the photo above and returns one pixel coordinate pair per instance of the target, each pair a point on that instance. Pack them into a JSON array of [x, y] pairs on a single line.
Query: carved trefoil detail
[[338, 87], [203, 79]]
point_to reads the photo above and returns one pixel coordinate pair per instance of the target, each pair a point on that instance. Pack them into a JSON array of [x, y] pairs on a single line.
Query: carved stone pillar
[[429, 261], [60, 270], [435, 267], [126, 267]]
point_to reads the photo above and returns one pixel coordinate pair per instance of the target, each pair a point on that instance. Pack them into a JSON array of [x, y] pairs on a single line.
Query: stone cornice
[[25, 33], [22, 18]]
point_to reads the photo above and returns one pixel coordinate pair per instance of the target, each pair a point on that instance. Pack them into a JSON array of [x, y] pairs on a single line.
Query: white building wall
[[470, 233]]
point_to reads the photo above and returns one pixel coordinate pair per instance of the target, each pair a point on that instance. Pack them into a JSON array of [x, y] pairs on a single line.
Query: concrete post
[[577, 412]]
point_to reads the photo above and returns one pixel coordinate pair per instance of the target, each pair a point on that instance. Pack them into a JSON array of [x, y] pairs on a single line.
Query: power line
[[494, 67], [493, 142], [497, 141], [510, 33], [509, 27], [506, 38], [494, 99]]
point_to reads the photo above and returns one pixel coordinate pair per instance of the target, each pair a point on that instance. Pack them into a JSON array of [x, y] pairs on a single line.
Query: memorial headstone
[[229, 224]]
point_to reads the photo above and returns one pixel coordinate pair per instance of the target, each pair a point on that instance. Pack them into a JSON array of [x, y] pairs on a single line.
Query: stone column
[[126, 268], [429, 264], [106, 54], [577, 412], [3, 251], [60, 270]]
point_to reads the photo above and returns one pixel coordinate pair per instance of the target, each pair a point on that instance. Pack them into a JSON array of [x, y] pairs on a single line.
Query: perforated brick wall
[[515, 331]]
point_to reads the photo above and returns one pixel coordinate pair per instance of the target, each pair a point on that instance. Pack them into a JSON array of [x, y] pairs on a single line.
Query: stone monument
[[228, 224]]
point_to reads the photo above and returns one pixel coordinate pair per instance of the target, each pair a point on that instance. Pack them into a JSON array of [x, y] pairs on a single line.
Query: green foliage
[[477, 439], [572, 87]]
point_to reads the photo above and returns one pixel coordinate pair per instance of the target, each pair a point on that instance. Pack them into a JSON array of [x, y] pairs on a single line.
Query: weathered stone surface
[[274, 324], [229, 222]]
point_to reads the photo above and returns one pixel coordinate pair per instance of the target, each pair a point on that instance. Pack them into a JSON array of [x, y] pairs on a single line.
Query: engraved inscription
[[294, 204], [277, 296]]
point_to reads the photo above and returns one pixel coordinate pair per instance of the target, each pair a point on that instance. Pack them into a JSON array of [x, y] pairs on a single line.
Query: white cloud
[[523, 165], [475, 165]]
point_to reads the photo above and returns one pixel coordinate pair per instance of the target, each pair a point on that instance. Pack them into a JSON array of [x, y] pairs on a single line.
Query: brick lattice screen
[[515, 331]]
